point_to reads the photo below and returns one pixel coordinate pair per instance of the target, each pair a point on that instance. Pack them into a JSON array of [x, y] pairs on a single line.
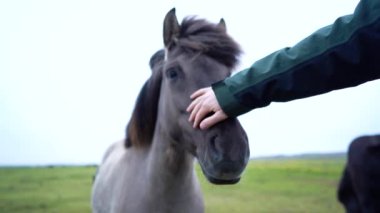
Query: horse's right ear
[[171, 29], [222, 25]]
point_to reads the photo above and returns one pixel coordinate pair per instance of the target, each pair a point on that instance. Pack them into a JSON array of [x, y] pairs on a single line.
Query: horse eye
[[172, 73]]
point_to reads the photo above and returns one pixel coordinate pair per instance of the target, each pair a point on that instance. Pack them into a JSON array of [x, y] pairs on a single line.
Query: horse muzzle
[[225, 172], [224, 154]]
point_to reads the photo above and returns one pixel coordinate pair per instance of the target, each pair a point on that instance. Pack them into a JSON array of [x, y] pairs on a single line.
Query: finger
[[194, 111], [212, 120], [202, 112], [195, 114], [198, 93], [196, 99], [190, 108]]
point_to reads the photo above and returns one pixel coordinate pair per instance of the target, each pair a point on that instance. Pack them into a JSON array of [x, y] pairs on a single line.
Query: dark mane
[[140, 128], [211, 39]]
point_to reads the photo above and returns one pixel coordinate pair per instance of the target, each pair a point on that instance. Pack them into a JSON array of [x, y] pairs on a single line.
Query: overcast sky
[[70, 72]]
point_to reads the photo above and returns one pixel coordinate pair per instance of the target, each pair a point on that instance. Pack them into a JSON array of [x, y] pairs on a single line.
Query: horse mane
[[196, 35], [140, 128], [199, 35]]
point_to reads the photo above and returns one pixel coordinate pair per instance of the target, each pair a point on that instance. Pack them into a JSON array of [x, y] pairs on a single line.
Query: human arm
[[341, 55]]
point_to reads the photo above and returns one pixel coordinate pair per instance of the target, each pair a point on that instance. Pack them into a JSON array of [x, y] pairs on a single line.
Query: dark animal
[[152, 170], [359, 189]]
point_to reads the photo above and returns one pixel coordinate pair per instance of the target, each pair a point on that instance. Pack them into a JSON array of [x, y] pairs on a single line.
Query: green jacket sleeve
[[341, 55]]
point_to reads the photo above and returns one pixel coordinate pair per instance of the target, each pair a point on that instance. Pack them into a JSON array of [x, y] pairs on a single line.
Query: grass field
[[268, 185]]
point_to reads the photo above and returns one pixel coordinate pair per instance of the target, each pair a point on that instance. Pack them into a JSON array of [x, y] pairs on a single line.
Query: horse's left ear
[[222, 25], [171, 28]]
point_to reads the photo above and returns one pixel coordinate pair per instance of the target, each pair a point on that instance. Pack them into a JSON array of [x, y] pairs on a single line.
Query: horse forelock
[[141, 126], [200, 35]]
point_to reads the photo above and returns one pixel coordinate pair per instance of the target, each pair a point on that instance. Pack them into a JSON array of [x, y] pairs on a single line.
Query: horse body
[[133, 176], [152, 170]]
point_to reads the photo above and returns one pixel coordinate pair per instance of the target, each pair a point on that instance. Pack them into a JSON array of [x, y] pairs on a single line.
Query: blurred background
[[70, 72]]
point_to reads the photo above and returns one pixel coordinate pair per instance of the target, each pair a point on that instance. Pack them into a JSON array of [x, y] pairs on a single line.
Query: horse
[[152, 169], [359, 188]]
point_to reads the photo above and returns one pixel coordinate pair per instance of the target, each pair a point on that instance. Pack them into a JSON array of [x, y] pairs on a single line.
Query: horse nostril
[[216, 151], [213, 142]]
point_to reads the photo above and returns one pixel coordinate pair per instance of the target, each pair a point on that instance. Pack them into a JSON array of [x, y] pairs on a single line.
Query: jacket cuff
[[227, 100]]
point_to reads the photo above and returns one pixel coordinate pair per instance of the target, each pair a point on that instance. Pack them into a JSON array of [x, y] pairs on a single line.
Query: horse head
[[197, 54]]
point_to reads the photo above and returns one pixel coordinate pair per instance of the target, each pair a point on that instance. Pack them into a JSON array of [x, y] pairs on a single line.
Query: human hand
[[203, 103]]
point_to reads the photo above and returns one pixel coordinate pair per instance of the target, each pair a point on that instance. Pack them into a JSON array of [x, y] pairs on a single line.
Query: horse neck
[[170, 168]]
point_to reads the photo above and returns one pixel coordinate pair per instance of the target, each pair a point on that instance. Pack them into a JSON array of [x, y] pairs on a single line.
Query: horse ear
[[157, 59], [171, 28], [222, 25]]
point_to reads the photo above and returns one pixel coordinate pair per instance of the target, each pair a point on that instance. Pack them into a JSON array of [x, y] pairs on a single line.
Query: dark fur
[[140, 128], [359, 189], [195, 36]]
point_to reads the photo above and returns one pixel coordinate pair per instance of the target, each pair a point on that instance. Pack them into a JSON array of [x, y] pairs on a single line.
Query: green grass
[[298, 185], [42, 189], [270, 185]]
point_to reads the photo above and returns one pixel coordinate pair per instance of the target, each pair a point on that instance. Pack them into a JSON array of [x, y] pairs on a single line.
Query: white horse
[[152, 170]]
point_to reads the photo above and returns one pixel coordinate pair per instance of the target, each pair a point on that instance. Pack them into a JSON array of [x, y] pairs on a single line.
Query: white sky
[[70, 72]]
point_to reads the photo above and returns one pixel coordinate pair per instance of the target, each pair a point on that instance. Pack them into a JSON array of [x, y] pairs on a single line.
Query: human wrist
[[227, 101]]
